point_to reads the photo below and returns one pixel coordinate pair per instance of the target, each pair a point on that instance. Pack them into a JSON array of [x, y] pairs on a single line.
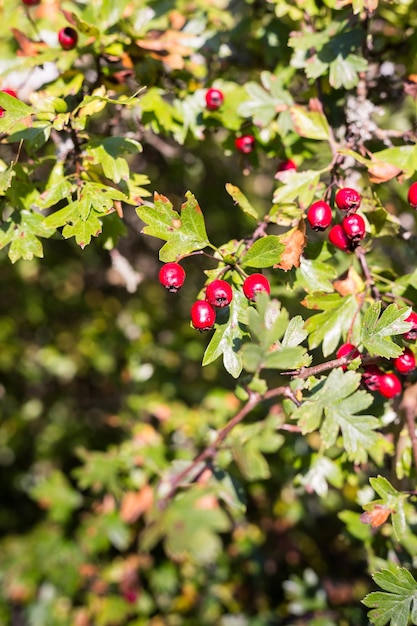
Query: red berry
[[214, 99], [11, 92], [319, 215], [339, 239], [172, 276], [219, 293], [203, 315], [406, 362], [245, 143], [411, 335], [348, 199], [389, 385], [354, 227], [286, 165], [371, 377], [31, 3], [254, 284], [348, 349], [412, 195], [68, 38]]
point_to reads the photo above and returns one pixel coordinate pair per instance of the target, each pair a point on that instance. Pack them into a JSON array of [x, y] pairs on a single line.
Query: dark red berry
[[348, 349], [31, 3], [339, 239], [348, 199], [406, 362], [172, 276], [319, 215], [412, 195], [286, 165], [371, 377], [214, 99], [68, 38], [203, 315], [389, 385], [11, 92], [245, 144], [411, 335], [354, 227], [254, 284], [219, 293]]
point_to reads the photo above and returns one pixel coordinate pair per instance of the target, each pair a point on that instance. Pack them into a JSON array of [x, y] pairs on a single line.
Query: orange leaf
[[136, 503], [376, 516], [351, 284], [295, 241], [380, 172], [28, 47]]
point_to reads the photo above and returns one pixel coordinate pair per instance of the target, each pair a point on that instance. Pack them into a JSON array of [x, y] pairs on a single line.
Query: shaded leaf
[[377, 330]]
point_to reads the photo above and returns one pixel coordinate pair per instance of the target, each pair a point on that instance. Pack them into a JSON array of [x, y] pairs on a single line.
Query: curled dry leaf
[[351, 284], [380, 172], [376, 516], [27, 47], [295, 241]]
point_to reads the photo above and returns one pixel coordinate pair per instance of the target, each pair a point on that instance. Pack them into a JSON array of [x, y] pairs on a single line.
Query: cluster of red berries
[[214, 100], [219, 293], [387, 383], [352, 229]]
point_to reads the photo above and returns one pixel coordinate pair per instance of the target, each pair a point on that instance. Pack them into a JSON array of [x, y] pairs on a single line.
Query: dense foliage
[[262, 471]]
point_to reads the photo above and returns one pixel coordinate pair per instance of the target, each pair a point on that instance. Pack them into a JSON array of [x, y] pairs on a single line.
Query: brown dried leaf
[[136, 503], [380, 171], [351, 284], [28, 47], [376, 516], [295, 241], [169, 46]]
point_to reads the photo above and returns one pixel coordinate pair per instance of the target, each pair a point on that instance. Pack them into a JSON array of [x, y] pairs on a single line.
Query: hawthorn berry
[[68, 38], [412, 195], [214, 99], [371, 377], [348, 199], [347, 349], [354, 227], [286, 165], [245, 143], [389, 385], [319, 215], [31, 3], [203, 315], [411, 335], [219, 293], [11, 92], [406, 362], [254, 284], [339, 239], [172, 276]]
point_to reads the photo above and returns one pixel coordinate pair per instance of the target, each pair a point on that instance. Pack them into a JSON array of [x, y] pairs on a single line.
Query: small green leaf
[[295, 332], [264, 252], [56, 494], [302, 185], [395, 604], [241, 200], [344, 71], [328, 327], [378, 330], [309, 124], [315, 275]]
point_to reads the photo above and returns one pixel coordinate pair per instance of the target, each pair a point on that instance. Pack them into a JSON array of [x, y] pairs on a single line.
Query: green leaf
[[264, 252], [22, 231], [315, 275], [338, 406], [328, 327], [108, 153], [344, 71], [228, 336], [83, 230], [295, 332], [251, 461], [397, 605], [183, 232], [286, 358], [241, 200], [377, 330], [56, 494], [302, 185], [310, 124], [15, 111]]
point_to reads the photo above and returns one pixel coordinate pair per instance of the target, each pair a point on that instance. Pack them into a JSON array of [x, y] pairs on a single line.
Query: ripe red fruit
[[245, 143], [411, 335], [371, 377], [348, 199], [214, 99], [254, 284], [412, 195], [354, 227], [31, 3], [286, 165], [406, 362], [347, 349], [203, 315], [172, 276], [219, 293], [389, 385], [68, 38], [339, 239], [11, 92], [319, 215]]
